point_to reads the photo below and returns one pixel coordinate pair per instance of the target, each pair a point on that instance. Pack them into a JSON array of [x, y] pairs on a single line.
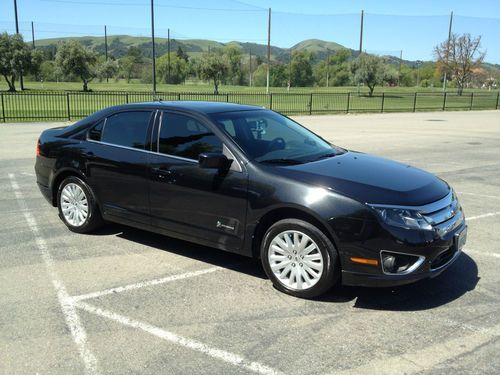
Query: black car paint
[[173, 196]]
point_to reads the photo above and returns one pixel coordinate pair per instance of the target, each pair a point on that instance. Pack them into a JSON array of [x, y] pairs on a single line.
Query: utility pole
[[250, 67], [400, 62], [361, 32], [447, 50], [21, 82], [168, 56], [327, 68], [106, 47], [153, 41], [33, 35], [268, 50], [290, 69]]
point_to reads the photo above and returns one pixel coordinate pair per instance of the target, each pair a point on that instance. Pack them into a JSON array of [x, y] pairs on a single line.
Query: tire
[[77, 206], [315, 258]]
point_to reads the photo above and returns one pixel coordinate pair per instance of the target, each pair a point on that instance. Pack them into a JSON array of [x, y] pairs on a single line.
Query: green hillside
[[118, 45]]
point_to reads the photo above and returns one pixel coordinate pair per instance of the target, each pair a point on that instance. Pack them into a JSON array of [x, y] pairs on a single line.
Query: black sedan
[[251, 181]]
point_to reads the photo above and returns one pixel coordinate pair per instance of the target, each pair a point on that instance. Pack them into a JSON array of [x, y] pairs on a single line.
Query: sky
[[413, 27]]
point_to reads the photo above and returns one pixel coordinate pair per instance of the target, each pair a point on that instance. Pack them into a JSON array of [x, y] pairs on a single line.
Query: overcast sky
[[390, 26]]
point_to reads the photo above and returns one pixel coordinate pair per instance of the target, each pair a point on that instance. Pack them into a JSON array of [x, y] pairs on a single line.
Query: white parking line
[[483, 216], [222, 355], [68, 309], [478, 195], [485, 253], [144, 284]]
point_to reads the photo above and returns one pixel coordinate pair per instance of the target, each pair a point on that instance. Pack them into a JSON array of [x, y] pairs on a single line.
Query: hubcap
[[295, 260], [74, 205]]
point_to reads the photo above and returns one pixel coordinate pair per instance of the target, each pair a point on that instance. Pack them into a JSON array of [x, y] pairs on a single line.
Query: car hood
[[370, 179]]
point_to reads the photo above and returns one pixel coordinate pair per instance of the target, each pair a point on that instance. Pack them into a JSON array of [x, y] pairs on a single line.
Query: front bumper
[[439, 254]]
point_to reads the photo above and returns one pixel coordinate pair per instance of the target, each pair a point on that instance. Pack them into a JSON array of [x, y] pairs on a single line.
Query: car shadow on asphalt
[[461, 277], [209, 255]]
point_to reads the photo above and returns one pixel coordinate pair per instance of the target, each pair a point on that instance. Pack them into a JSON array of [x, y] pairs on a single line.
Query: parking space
[[127, 301]]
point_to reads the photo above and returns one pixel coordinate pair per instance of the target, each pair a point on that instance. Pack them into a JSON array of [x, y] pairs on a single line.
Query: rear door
[[202, 205], [117, 164]]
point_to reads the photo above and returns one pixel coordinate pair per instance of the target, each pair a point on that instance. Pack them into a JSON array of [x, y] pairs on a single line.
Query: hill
[[119, 44]]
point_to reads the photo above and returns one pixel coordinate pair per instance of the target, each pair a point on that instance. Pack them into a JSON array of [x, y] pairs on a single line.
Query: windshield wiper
[[282, 161], [324, 156]]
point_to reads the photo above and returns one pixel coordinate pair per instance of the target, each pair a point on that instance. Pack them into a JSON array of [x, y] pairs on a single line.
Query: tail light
[[38, 148]]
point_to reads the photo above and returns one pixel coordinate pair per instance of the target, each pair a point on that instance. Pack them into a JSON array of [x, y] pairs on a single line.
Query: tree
[[107, 69], [17, 57], [460, 56], [181, 54], [130, 66], [213, 67], [336, 68], [233, 55], [371, 70], [178, 68], [301, 69], [73, 58]]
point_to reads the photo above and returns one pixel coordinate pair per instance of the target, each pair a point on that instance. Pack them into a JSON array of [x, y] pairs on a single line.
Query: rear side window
[[183, 136], [128, 129], [96, 132]]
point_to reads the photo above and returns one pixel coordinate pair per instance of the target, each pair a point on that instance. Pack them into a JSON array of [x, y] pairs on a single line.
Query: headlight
[[403, 218]]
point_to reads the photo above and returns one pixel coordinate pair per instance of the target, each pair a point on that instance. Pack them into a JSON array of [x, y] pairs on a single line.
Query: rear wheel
[[299, 259], [77, 206]]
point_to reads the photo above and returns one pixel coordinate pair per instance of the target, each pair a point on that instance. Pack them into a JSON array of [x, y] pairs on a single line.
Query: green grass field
[[50, 102]]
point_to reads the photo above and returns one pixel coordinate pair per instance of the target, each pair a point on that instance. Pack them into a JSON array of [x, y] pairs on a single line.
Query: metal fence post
[[498, 97], [271, 100], [382, 106], [227, 98], [415, 102], [471, 100], [179, 96], [3, 107], [310, 104], [126, 97], [444, 101], [348, 100], [67, 105]]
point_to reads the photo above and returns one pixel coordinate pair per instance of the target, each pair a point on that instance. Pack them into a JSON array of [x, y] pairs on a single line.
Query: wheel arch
[[59, 177], [277, 214]]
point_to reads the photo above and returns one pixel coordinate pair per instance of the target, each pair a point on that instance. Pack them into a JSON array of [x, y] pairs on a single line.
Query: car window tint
[[183, 136], [127, 129], [96, 131]]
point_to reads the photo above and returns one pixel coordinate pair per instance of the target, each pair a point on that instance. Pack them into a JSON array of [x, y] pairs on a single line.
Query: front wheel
[[77, 206], [299, 258]]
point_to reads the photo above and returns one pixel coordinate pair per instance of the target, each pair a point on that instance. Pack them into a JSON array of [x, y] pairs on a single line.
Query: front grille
[[443, 258], [444, 215]]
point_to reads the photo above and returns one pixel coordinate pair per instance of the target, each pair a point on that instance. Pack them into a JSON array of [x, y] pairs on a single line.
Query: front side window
[[269, 137], [128, 129], [184, 136]]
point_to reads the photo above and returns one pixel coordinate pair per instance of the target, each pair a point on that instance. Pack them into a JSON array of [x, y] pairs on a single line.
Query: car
[[251, 181]]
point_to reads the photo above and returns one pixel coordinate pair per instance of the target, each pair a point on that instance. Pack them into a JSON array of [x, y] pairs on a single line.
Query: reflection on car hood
[[370, 179]]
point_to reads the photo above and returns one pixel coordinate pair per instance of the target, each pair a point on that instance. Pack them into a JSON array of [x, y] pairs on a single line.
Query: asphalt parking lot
[[126, 301]]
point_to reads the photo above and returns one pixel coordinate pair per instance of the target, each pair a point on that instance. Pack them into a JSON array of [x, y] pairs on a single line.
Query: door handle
[[161, 173], [89, 155]]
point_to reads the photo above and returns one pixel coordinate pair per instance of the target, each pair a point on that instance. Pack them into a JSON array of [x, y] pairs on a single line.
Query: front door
[[201, 205]]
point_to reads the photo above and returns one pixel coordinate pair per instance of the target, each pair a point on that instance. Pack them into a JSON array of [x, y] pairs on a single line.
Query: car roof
[[194, 106]]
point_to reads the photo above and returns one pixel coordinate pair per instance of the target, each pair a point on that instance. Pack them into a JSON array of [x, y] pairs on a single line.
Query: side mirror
[[214, 161]]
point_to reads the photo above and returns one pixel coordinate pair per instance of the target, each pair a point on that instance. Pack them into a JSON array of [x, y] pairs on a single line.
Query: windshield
[[269, 137]]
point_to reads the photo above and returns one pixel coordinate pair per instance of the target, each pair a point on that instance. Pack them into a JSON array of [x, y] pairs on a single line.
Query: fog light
[[400, 263]]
